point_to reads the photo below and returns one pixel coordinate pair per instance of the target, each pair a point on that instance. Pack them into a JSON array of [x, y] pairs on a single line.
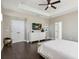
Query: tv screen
[[36, 26]]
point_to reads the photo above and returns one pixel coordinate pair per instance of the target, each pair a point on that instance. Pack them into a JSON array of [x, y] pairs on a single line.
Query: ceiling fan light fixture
[[49, 5]]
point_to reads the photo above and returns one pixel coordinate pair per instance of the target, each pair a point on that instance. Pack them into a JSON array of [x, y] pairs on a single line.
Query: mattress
[[59, 49]]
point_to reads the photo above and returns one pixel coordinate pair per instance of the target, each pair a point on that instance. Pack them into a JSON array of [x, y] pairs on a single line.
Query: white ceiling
[[31, 6]]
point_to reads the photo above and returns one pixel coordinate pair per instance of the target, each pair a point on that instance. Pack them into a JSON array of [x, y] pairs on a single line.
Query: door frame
[[24, 29]]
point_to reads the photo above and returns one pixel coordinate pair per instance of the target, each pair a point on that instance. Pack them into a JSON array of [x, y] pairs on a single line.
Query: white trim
[[19, 41]]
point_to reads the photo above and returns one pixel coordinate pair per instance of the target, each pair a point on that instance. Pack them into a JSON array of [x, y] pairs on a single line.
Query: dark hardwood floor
[[21, 50]]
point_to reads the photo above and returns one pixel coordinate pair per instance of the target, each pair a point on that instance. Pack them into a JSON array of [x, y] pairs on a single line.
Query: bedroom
[[31, 28]]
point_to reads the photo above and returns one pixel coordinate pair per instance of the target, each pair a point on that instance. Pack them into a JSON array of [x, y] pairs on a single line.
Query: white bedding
[[59, 49]]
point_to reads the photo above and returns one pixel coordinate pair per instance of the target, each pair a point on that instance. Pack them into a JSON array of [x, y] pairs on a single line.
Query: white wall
[[6, 26], [70, 26], [5, 29]]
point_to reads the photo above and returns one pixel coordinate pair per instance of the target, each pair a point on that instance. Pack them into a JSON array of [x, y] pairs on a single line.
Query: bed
[[59, 49]]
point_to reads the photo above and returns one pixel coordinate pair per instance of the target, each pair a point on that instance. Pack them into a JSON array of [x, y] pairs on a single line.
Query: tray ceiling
[[32, 6]]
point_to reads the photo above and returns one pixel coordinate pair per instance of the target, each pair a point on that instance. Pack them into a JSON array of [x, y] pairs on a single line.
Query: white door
[[17, 31], [58, 30]]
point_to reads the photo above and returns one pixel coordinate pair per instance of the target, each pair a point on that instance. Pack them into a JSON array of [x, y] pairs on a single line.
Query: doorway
[[58, 30]]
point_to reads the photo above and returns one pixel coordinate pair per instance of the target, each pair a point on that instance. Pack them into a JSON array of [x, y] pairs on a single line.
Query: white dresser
[[37, 36]]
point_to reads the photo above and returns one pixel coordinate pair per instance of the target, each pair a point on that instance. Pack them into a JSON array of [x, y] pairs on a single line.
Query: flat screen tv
[[36, 26]]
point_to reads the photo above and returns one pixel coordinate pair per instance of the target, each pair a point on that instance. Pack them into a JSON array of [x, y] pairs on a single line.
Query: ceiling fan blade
[[55, 2], [48, 1], [42, 4], [53, 7], [46, 8]]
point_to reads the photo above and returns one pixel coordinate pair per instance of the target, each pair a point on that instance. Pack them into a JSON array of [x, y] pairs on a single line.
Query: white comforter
[[59, 49]]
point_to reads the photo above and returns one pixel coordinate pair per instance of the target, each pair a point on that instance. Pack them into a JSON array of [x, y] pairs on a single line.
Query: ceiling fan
[[49, 4]]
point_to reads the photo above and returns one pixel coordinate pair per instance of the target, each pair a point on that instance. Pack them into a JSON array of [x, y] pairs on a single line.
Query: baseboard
[[19, 41], [52, 38]]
